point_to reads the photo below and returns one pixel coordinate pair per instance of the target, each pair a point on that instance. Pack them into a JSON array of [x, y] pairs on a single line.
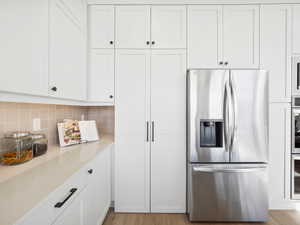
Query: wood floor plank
[[277, 217], [286, 217]]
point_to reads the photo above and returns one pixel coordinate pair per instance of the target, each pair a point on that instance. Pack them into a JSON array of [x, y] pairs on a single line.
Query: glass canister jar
[[39, 144], [17, 148]]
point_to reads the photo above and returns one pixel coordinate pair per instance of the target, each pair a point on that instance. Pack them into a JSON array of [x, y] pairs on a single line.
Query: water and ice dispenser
[[211, 134]]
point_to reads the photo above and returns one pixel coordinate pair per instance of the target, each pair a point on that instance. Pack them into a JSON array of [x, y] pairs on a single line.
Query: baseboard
[[103, 214]]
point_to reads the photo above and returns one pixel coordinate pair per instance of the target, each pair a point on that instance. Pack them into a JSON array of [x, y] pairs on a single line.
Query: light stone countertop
[[23, 186]]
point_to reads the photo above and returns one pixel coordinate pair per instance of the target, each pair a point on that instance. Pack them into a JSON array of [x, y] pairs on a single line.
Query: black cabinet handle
[[225, 63], [111, 96], [90, 171], [60, 204], [148, 42], [153, 42], [111, 42], [54, 88], [221, 63]]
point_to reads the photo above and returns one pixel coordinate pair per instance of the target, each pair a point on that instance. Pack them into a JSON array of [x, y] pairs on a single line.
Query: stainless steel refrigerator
[[227, 145]]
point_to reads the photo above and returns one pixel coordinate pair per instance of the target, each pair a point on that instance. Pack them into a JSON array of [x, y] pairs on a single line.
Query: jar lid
[[38, 136], [17, 135]]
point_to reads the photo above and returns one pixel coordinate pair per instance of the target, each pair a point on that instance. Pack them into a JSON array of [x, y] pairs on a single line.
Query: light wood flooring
[[276, 218]]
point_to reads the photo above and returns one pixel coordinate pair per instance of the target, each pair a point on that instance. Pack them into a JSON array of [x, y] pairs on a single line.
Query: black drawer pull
[[90, 171], [60, 204]]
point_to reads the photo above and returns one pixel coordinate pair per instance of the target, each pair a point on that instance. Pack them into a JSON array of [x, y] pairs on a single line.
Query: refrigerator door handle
[[152, 135], [147, 131], [226, 118], [233, 109], [228, 170]]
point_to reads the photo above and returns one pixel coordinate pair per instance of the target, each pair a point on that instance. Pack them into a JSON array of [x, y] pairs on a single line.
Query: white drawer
[[57, 201]]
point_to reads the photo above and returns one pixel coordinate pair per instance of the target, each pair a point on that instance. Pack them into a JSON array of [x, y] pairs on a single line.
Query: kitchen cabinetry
[[296, 31], [132, 151], [168, 146], [84, 198], [139, 27], [168, 27], [67, 61], [132, 26], [204, 43], [231, 40], [43, 43], [143, 134], [101, 26], [276, 50], [73, 215], [101, 75], [279, 154], [241, 36], [23, 44], [97, 196]]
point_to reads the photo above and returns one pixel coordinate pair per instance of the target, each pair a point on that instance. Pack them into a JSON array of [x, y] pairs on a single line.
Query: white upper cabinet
[[168, 27], [101, 26], [296, 30], [67, 61], [101, 75], [223, 36], [241, 36], [43, 43], [204, 36], [24, 46], [142, 27], [132, 26], [276, 50]]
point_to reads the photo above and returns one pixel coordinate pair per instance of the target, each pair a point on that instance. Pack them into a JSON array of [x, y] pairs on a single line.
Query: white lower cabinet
[[150, 131], [279, 154], [84, 198], [97, 196], [73, 215]]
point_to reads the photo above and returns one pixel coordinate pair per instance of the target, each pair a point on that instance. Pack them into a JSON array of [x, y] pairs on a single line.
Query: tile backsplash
[[20, 116]]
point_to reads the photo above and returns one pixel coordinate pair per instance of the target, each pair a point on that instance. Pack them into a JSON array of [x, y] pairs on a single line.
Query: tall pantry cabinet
[[276, 33], [150, 160]]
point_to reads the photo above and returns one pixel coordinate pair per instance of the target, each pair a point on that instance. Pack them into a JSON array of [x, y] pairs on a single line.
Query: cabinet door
[[204, 36], [276, 50], [132, 151], [97, 194], [101, 75], [132, 27], [168, 27], [168, 146], [73, 215], [241, 36], [67, 55], [296, 30], [101, 26], [280, 151], [24, 46]]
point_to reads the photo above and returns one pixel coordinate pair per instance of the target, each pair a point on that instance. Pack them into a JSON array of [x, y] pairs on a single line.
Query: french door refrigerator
[[227, 145]]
